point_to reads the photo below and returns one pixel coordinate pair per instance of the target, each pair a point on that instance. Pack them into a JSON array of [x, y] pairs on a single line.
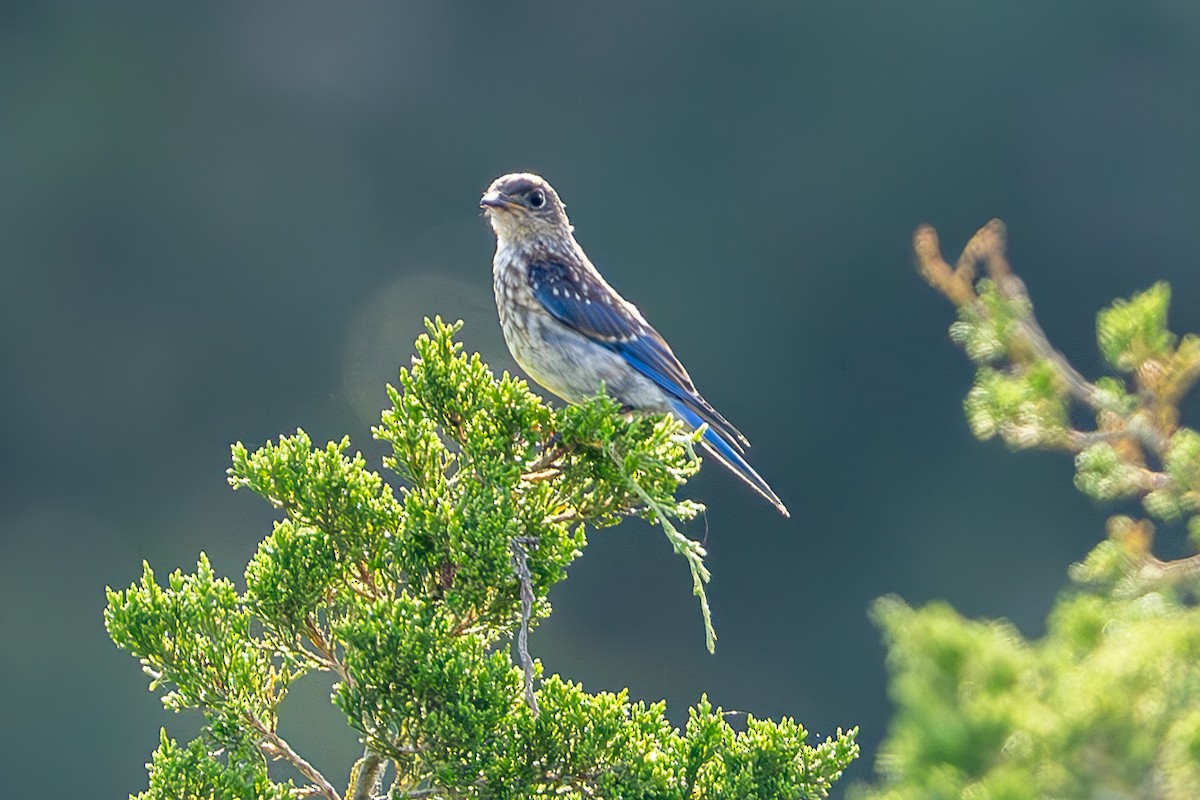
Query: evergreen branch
[[988, 246], [1024, 386], [692, 551], [1142, 571]]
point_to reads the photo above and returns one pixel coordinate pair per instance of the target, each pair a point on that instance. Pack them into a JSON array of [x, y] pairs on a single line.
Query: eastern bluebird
[[571, 332]]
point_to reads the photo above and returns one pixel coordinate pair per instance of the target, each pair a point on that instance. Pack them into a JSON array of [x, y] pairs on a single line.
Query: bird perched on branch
[[571, 331]]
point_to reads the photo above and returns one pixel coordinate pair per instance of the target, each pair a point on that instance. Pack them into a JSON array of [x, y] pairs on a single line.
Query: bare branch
[[276, 747], [521, 568], [1183, 571], [956, 284], [541, 475], [366, 776]]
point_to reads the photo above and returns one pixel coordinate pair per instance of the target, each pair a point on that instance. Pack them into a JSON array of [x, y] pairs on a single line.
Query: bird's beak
[[495, 200]]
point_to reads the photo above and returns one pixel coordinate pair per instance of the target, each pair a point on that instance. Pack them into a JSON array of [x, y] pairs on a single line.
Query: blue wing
[[593, 310]]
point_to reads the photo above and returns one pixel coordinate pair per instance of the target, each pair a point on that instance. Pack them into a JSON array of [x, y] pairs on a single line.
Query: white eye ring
[[536, 199]]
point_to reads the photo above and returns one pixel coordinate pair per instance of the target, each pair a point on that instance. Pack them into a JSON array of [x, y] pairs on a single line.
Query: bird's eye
[[537, 199]]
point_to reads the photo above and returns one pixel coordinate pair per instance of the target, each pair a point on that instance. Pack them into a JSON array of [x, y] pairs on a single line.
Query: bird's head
[[523, 204]]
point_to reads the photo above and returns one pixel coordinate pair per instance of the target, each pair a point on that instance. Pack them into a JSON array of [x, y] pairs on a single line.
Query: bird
[[572, 333]]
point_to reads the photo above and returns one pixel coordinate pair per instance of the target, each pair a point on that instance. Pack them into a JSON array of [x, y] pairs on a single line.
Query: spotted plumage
[[571, 331]]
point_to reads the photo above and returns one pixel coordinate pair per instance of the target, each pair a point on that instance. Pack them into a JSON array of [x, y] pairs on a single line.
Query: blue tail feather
[[729, 455]]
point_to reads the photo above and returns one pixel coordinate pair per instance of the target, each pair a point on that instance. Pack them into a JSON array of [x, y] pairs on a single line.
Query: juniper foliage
[[1107, 703], [412, 599]]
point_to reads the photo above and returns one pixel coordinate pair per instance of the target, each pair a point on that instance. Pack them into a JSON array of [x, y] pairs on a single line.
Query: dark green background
[[222, 221]]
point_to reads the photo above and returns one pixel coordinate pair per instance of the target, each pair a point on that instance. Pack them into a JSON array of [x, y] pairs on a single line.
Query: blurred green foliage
[[1107, 703], [413, 601]]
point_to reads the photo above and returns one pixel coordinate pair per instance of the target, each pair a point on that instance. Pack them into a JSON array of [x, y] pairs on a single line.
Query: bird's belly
[[574, 368]]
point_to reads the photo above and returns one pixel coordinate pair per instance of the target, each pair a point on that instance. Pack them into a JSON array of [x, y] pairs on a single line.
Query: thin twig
[[1083, 390], [541, 475], [1173, 573], [521, 568], [693, 552], [1086, 392], [956, 284], [368, 578], [323, 646], [275, 746]]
